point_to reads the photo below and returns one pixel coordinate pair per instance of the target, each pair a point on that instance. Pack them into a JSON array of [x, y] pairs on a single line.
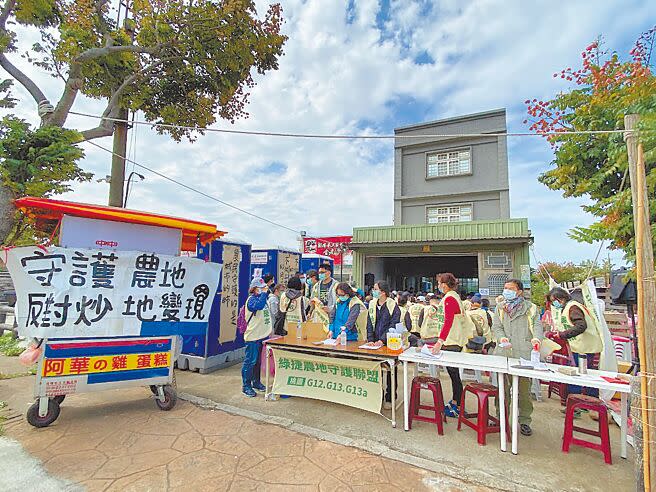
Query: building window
[[495, 283], [449, 213], [450, 163]]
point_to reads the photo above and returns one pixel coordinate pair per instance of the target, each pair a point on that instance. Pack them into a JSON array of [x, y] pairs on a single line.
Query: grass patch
[[9, 345], [29, 372], [3, 404]]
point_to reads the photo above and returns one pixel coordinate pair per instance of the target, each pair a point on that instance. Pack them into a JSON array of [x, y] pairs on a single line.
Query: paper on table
[[425, 350], [330, 341], [369, 347], [540, 366]]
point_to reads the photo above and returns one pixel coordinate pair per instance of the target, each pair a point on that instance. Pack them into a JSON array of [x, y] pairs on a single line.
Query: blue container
[[211, 351], [280, 262], [311, 261]]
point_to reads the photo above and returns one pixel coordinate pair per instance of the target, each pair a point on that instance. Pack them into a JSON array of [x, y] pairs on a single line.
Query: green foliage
[[564, 272], [37, 162], [9, 345], [595, 166], [180, 62], [6, 101], [40, 162]]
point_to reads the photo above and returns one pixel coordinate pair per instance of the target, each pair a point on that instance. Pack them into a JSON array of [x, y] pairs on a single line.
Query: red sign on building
[[330, 246]]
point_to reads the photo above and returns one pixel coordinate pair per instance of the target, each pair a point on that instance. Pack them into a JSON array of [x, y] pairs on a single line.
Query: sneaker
[[259, 387], [525, 429], [249, 392], [451, 410]]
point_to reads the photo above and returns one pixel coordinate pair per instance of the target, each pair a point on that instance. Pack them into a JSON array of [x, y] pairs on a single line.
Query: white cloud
[[342, 74]]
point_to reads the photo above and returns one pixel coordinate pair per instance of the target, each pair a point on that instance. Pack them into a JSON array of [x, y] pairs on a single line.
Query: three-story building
[[451, 211]]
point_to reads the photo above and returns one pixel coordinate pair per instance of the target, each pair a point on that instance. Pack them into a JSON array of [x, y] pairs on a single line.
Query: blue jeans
[[250, 370], [576, 390]]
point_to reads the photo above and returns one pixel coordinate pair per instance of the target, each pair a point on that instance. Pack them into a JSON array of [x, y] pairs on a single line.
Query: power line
[[222, 202], [350, 137]]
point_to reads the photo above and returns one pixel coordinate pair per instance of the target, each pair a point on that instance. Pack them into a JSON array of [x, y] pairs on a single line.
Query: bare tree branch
[[6, 11], [92, 53], [114, 100], [73, 85], [104, 27], [105, 129], [22, 79]]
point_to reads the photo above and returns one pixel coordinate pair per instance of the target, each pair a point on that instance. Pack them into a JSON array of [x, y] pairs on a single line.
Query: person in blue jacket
[[260, 326], [347, 309]]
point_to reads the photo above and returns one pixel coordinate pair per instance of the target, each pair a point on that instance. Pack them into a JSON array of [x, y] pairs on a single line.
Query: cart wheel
[[170, 397], [59, 398], [33, 414], [153, 389]]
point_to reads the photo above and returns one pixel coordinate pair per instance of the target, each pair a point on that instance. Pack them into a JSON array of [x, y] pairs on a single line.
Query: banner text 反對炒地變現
[[72, 292]]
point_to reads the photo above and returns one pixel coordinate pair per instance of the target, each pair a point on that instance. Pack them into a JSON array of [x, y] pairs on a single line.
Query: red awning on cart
[[48, 213]]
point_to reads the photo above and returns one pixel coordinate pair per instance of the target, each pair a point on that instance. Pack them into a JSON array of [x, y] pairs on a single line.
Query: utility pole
[[118, 160], [646, 287], [120, 144]]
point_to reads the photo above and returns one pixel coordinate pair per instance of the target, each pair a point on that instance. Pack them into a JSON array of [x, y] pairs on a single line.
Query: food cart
[[110, 302]]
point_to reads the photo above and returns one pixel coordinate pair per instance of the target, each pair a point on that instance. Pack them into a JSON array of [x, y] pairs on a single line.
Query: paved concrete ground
[[539, 466], [120, 441]]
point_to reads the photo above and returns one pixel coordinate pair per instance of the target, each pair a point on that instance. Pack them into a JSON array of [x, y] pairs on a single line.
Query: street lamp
[[127, 189]]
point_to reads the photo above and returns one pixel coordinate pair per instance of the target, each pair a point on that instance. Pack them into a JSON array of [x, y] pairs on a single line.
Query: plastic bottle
[[583, 364], [535, 354], [299, 330], [342, 336]]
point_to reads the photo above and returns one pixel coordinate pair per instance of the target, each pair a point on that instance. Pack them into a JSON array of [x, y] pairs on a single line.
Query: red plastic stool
[[435, 387], [481, 425], [590, 403]]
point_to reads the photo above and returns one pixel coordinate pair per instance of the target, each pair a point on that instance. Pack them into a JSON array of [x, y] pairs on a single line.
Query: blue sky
[[367, 67]]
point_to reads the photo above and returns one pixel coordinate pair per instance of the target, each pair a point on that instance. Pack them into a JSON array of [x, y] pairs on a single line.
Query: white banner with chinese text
[[72, 292]]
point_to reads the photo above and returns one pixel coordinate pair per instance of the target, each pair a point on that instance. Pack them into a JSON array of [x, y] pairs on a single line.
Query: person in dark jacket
[[384, 314]]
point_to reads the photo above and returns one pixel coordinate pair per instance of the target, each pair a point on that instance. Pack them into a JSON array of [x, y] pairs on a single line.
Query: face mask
[[509, 294], [343, 298], [557, 304], [375, 294], [322, 276], [309, 282], [441, 290]]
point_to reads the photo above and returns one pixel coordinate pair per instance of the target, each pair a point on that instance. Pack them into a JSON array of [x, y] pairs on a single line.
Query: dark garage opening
[[419, 273]]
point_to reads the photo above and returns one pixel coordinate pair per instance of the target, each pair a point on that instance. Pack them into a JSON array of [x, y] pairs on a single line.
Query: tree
[[181, 62], [595, 165], [564, 272]]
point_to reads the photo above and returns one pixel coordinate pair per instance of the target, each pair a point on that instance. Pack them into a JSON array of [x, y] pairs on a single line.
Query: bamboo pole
[[646, 296]]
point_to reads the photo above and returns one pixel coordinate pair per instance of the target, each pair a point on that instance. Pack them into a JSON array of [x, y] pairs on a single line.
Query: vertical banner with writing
[[355, 383], [229, 293], [288, 265]]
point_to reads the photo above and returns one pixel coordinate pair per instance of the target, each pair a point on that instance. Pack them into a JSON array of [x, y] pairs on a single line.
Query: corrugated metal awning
[[451, 231]]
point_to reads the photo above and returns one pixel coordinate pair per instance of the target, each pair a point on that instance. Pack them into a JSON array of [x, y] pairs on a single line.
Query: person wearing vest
[[259, 328], [404, 307], [444, 324], [516, 327], [383, 315], [579, 330], [324, 296], [415, 311], [350, 313], [293, 303]]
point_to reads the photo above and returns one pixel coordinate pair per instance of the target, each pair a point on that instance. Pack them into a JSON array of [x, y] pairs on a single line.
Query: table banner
[[355, 383], [76, 293]]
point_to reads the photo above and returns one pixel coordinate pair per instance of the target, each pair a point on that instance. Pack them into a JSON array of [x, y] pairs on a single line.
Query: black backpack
[[281, 318]]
